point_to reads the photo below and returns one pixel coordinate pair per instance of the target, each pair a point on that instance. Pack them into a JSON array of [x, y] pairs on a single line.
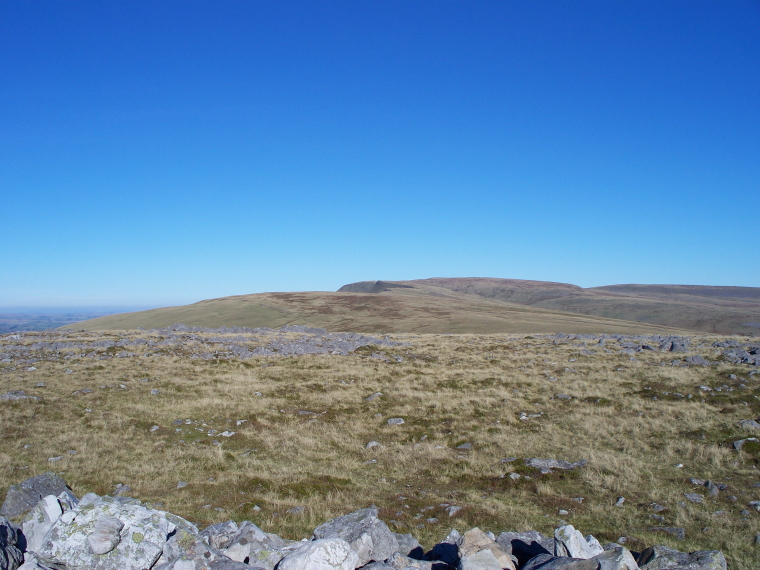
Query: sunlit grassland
[[302, 441]]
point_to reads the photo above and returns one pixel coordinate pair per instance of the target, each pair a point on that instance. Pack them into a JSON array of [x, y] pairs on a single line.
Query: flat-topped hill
[[471, 305]]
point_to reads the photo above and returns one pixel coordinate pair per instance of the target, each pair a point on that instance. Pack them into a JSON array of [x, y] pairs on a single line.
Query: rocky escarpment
[[61, 532]]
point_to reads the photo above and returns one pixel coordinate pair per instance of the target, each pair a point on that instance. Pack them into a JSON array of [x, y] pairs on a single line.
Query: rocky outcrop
[[120, 533]]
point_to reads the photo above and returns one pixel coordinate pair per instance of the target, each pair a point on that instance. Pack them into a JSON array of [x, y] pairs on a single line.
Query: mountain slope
[[403, 309], [724, 310], [471, 305]]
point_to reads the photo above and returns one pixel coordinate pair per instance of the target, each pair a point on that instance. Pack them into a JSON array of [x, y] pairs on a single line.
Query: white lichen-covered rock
[[400, 562], [322, 554], [197, 555], [408, 545], [594, 544], [10, 553], [31, 563], [106, 536], [570, 542], [370, 537], [475, 540], [250, 538], [268, 558], [220, 535], [38, 521], [616, 559], [140, 544], [482, 560]]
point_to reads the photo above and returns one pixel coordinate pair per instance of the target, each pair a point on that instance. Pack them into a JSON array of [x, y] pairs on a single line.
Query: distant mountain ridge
[[471, 305], [719, 309]]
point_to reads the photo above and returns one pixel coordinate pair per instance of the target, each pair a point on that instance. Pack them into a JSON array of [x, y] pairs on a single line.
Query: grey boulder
[[249, 538], [220, 535], [106, 536], [268, 558], [22, 498], [322, 554], [474, 542], [38, 521], [525, 545], [399, 561], [482, 560], [617, 558], [368, 536], [447, 551], [665, 558], [10, 553], [569, 542], [751, 425], [198, 555]]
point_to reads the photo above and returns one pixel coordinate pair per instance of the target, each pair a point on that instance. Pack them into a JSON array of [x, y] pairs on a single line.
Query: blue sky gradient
[[157, 153]]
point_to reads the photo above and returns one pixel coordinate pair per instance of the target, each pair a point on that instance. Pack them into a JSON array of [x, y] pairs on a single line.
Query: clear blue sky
[[156, 153]]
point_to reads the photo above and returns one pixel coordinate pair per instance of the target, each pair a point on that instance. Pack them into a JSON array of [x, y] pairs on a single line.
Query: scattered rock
[[18, 395], [694, 497], [396, 421], [675, 531], [554, 464], [740, 443], [750, 425]]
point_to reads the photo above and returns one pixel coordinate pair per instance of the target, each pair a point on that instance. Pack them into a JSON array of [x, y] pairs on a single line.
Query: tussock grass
[[303, 440]]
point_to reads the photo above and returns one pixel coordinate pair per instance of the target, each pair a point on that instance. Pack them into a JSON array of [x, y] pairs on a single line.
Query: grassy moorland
[[471, 305], [422, 309], [301, 426]]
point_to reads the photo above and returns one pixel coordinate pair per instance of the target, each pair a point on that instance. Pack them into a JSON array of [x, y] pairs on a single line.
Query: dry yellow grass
[[449, 389], [419, 310]]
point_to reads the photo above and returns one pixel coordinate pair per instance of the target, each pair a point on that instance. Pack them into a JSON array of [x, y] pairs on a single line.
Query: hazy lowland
[[654, 387]]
